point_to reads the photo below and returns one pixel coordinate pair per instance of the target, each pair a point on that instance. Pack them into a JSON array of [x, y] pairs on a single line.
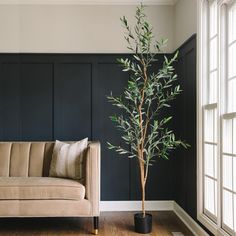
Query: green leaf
[[141, 116]]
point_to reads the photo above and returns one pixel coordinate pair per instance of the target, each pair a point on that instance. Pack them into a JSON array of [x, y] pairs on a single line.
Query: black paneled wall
[[72, 114], [185, 187], [63, 96]]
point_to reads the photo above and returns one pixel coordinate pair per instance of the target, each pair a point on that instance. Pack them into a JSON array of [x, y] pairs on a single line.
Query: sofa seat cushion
[[40, 188]]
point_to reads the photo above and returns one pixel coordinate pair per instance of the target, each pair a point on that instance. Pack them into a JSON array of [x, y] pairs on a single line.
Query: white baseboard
[[193, 226], [196, 229], [136, 205]]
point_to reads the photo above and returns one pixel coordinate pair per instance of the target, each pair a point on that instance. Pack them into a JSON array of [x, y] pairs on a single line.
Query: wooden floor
[[111, 224]]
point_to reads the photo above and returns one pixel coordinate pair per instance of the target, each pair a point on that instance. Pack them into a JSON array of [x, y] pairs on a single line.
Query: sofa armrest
[[92, 185]]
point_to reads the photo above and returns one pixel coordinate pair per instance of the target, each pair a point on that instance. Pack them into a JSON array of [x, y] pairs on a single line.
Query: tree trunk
[[143, 200], [142, 181]]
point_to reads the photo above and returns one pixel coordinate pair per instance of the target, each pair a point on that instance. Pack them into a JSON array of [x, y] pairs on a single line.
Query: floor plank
[[165, 223]]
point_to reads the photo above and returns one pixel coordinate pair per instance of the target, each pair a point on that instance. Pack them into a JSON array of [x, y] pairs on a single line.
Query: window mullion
[[221, 102]]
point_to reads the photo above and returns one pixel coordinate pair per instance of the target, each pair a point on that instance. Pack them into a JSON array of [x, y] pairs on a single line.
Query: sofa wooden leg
[[95, 224]]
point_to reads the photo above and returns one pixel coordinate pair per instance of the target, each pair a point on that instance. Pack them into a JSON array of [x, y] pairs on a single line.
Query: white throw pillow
[[67, 159]]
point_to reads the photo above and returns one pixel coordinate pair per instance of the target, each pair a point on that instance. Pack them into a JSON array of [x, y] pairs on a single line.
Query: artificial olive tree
[[147, 95]]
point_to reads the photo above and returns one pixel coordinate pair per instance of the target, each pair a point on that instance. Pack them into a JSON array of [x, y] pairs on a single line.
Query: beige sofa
[[27, 191]]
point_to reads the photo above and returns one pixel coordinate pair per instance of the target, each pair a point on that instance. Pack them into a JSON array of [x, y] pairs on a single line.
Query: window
[[210, 161], [217, 116], [231, 48]]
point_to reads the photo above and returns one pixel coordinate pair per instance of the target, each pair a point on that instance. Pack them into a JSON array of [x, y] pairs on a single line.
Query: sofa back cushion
[[25, 159]]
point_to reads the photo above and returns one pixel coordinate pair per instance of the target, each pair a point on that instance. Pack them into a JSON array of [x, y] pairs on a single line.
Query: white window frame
[[214, 225]]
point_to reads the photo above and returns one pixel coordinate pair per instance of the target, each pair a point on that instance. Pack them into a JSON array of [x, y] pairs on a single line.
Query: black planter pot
[[142, 224]]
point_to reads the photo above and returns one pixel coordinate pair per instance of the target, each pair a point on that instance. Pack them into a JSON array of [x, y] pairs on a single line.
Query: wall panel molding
[[185, 109], [63, 96]]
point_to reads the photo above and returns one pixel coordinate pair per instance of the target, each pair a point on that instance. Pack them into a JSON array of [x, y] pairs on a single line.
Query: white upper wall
[[185, 17], [75, 28]]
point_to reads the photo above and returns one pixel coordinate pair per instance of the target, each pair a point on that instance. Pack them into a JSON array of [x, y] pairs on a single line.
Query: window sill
[[210, 225]]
